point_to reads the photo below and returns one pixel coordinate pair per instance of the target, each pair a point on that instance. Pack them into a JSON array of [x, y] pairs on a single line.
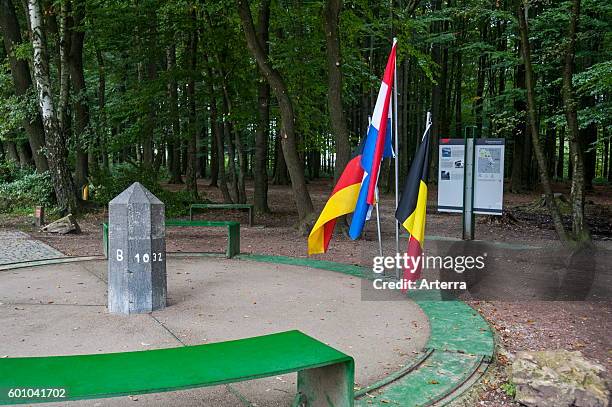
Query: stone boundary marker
[[137, 252]]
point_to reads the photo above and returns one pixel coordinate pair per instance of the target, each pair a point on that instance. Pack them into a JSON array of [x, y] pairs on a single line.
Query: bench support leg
[[251, 217], [329, 386], [233, 241], [105, 240]]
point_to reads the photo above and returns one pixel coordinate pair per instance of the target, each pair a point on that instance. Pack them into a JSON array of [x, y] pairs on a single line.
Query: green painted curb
[[459, 349]]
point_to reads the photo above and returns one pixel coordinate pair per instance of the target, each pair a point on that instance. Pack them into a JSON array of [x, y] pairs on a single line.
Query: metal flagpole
[[380, 249], [428, 123], [396, 148]]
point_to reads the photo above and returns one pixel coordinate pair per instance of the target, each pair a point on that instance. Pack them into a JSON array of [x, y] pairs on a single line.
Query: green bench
[[248, 207], [233, 233], [325, 375]]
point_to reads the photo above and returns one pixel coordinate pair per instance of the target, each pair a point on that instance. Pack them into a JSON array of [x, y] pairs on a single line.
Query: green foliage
[[600, 181], [107, 185], [23, 189], [10, 171], [509, 389]]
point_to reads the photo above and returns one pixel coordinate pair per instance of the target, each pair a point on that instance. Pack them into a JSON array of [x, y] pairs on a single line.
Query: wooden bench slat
[[116, 374]]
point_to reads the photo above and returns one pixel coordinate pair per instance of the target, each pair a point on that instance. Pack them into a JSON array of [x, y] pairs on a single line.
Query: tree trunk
[[436, 100], [519, 133], [81, 107], [56, 146], [262, 134], [11, 151], [202, 150], [288, 137], [9, 24], [561, 154], [192, 144], [151, 72], [606, 159], [214, 159], [236, 151], [217, 131], [531, 110], [588, 139], [579, 228], [65, 27], [480, 81], [174, 142], [24, 153], [458, 97], [331, 15], [549, 148], [102, 110], [280, 168], [231, 153]]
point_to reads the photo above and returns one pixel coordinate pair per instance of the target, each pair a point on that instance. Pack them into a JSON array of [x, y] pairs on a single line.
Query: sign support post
[[468, 191]]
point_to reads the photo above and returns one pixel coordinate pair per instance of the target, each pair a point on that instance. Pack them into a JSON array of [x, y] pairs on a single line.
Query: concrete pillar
[[137, 252]]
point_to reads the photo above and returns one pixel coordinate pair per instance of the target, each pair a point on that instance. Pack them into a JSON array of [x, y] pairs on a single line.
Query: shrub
[[25, 190], [10, 171], [600, 181], [509, 389], [107, 185]]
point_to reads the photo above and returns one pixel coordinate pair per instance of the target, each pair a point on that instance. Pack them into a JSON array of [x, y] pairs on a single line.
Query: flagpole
[[396, 147], [380, 250], [428, 124]]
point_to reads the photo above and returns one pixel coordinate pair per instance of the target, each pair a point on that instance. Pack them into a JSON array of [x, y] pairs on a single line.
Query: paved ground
[[60, 309], [16, 246]]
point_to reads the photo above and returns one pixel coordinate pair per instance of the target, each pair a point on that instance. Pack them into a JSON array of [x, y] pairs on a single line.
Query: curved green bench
[[325, 375]]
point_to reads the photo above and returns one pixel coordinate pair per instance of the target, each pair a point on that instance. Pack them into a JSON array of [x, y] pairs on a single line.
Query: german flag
[[342, 201], [412, 208]]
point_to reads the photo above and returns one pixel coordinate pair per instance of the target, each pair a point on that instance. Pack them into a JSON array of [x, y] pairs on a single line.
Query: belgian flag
[[412, 207]]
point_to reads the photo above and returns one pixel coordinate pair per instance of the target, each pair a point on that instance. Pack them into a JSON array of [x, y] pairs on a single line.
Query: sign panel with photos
[[488, 175], [450, 175]]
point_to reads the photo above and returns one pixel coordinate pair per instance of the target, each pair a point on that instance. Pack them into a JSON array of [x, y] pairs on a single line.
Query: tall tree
[[174, 142], [287, 133], [331, 16], [579, 228], [192, 51], [55, 141], [150, 42], [11, 34], [217, 132], [262, 133], [533, 123], [77, 75]]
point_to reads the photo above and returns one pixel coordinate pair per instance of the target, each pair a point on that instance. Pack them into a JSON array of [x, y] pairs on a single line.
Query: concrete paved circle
[[60, 310]]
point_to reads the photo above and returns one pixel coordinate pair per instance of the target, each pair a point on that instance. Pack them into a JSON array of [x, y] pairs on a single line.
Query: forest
[[101, 93]]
